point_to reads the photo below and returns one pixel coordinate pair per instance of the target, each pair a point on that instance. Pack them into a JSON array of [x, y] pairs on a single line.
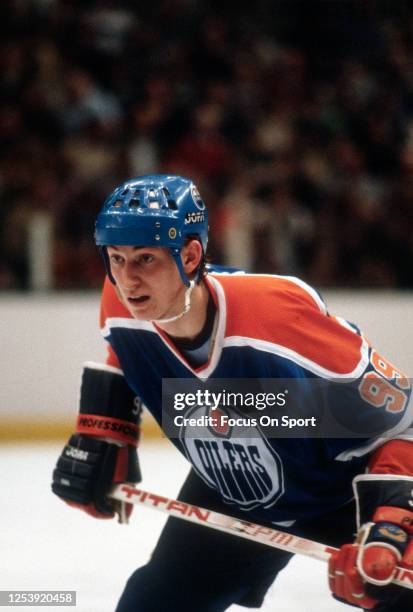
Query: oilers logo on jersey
[[236, 460]]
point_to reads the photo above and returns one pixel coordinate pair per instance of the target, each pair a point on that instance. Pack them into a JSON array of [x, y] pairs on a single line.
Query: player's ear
[[191, 256]]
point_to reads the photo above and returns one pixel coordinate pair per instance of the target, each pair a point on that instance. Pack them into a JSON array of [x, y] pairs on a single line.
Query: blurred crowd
[[295, 118]]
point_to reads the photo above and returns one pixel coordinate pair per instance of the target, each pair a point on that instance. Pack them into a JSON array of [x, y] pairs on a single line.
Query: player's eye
[[116, 259], [147, 258]]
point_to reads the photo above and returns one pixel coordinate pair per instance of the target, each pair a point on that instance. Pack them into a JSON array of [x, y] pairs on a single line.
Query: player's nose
[[130, 276]]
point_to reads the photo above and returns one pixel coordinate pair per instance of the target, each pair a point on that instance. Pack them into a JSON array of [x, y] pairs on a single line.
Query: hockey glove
[[103, 450], [360, 573]]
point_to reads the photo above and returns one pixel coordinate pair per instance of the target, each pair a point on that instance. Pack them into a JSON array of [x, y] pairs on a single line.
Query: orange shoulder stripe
[[280, 311]]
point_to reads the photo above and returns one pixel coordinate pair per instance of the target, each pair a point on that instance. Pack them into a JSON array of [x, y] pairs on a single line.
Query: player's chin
[[149, 311], [141, 311]]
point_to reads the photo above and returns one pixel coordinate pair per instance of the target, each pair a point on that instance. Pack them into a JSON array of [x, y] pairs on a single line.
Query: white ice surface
[[44, 544]]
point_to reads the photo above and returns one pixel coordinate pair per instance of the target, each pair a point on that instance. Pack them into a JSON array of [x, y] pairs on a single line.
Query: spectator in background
[[312, 127], [86, 102]]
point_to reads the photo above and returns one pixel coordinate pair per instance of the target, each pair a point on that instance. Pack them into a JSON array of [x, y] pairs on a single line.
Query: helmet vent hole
[[134, 202], [117, 204], [172, 204]]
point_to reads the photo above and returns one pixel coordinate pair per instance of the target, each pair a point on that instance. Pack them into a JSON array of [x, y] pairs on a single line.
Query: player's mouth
[[137, 301]]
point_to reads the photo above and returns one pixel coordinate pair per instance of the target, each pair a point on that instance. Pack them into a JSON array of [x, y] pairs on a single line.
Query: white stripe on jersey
[[311, 366], [94, 365], [126, 323]]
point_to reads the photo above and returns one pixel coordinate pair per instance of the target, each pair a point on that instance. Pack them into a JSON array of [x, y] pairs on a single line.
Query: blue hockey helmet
[[156, 210]]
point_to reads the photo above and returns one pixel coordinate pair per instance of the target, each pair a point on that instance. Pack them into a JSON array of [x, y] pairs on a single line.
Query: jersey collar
[[217, 340]]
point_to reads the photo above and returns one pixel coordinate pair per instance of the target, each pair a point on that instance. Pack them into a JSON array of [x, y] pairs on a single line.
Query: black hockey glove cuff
[[373, 491]]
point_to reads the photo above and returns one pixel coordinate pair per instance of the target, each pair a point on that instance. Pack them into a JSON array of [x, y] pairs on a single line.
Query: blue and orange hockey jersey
[[272, 327]]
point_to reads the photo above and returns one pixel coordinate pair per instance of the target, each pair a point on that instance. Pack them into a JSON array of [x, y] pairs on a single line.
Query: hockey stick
[[243, 529]]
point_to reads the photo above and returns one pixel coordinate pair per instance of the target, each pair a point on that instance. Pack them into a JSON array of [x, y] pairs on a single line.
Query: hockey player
[[165, 315]]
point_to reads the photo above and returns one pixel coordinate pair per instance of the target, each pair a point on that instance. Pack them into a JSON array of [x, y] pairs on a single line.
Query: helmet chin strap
[[186, 308]]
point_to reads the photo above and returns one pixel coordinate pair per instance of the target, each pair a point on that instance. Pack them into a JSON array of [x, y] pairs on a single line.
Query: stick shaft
[[238, 527]]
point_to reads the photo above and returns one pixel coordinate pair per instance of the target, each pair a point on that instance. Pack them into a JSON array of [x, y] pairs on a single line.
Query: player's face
[[148, 281]]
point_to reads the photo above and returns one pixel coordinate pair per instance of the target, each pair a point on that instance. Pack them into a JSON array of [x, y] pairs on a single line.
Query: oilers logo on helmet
[[197, 198]]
